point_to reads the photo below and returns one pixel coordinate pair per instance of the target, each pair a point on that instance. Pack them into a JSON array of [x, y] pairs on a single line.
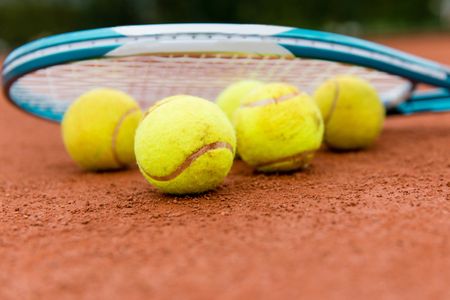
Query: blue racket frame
[[98, 43]]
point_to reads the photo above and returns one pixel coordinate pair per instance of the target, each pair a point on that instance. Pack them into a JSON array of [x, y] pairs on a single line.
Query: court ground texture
[[372, 224]]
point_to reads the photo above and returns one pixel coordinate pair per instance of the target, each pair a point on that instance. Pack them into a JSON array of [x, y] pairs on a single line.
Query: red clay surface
[[362, 225]]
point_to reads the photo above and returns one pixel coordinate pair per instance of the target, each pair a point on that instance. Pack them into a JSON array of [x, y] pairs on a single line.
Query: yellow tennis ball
[[98, 129], [352, 112], [185, 145], [230, 98], [278, 128]]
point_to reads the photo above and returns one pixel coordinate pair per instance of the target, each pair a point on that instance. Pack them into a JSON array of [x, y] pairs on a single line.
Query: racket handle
[[423, 105]]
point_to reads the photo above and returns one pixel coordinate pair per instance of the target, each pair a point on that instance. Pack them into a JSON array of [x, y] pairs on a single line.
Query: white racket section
[[242, 29]]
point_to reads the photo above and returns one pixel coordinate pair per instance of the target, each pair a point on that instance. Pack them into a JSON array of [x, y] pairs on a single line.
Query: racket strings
[[151, 78]]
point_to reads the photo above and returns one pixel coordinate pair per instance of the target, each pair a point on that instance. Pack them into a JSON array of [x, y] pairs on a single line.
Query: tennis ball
[[230, 98], [185, 145], [352, 112], [98, 129], [278, 128]]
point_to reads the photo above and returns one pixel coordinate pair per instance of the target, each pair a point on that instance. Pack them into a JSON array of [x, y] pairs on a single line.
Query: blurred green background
[[24, 20]]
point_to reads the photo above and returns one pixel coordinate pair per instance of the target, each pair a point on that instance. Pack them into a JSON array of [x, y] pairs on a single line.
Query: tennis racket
[[151, 62]]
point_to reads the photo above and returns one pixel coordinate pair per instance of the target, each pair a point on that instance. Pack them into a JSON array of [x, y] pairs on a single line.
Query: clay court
[[372, 224]]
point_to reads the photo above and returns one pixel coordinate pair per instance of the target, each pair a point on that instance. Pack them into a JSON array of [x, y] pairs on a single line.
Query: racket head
[[155, 61]]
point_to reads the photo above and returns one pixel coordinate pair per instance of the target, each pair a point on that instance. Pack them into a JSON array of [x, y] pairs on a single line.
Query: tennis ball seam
[[300, 157], [189, 160], [334, 103], [116, 133], [273, 100]]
